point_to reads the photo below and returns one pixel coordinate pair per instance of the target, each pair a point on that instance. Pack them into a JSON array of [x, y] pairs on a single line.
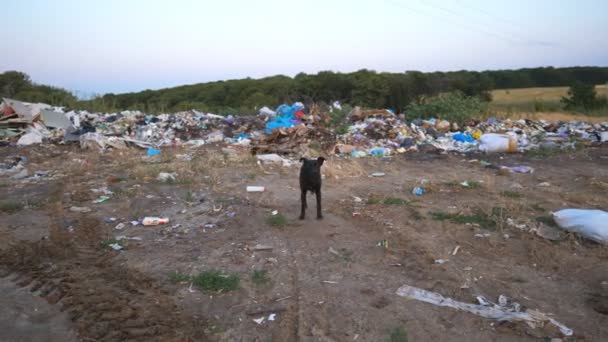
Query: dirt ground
[[327, 280]]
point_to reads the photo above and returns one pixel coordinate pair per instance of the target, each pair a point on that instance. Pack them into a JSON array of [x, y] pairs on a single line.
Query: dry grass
[[510, 96], [339, 169], [205, 167], [538, 103]]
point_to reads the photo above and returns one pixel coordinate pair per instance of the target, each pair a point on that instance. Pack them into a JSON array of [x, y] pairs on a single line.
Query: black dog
[[310, 180]]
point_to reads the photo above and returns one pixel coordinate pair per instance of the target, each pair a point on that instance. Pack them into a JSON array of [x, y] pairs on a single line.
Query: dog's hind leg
[[303, 198], [319, 215]]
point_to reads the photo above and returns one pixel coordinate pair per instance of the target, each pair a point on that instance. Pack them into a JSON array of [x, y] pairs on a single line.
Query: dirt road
[[328, 280]]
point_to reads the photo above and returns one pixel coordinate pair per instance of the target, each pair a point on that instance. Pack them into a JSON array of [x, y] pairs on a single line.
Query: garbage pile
[[381, 133], [290, 129]]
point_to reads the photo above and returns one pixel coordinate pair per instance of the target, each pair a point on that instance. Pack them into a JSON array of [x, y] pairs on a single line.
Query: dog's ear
[[320, 161], [302, 160]]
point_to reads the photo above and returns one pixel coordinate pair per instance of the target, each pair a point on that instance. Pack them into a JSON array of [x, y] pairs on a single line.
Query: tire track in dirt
[[104, 300]]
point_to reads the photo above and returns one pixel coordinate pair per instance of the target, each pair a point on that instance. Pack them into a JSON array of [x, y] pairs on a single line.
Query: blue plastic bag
[[378, 151], [153, 152], [285, 117], [463, 137], [242, 136]]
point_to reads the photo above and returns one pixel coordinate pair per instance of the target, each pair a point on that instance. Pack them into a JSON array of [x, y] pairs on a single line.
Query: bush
[[338, 120], [454, 107]]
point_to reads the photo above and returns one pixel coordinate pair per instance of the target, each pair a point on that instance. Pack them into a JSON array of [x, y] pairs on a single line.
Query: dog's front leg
[[303, 204], [319, 215]]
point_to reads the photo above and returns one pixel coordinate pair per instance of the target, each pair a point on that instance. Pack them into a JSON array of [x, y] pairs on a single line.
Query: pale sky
[[99, 46]]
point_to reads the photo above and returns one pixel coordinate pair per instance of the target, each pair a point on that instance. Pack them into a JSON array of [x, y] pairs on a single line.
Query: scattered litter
[[154, 221], [329, 282], [485, 309], [109, 219], [482, 235], [357, 199], [115, 246], [418, 191], [259, 247], [255, 189], [259, 320], [518, 169], [80, 209], [120, 226], [382, 243], [334, 252], [167, 177], [275, 212], [456, 249], [592, 224], [123, 237], [274, 159], [440, 261], [378, 174], [135, 223], [101, 199], [544, 184], [272, 317], [492, 142]]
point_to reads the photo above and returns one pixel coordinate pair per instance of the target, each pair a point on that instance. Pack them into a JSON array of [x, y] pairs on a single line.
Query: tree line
[[365, 88]]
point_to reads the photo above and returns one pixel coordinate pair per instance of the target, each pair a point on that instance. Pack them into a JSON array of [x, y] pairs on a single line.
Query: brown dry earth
[[328, 279]]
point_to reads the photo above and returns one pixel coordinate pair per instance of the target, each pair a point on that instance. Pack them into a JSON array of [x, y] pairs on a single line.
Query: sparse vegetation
[[478, 217], [398, 335], [538, 207], [106, 243], [10, 207], [394, 201], [342, 254], [216, 281], [189, 197], [454, 107], [178, 277], [465, 184], [278, 220], [259, 277], [547, 219], [512, 194]]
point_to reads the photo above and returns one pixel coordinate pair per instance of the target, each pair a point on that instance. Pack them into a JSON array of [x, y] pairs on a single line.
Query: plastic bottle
[[155, 221]]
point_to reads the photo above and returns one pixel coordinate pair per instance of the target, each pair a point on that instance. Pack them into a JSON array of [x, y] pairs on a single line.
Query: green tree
[[582, 96]]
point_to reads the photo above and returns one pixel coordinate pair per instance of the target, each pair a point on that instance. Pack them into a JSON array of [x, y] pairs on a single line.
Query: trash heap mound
[[288, 130]]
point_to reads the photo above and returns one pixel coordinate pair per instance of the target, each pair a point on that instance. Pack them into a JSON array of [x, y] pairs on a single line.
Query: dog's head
[[312, 164]]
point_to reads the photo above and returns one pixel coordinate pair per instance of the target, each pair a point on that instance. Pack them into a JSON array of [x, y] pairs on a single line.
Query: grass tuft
[[259, 277], [10, 207], [483, 220], [512, 194], [398, 335], [216, 281], [395, 201], [278, 220]]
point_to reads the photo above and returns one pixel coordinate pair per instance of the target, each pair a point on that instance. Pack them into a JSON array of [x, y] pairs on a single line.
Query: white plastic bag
[[492, 142], [592, 224]]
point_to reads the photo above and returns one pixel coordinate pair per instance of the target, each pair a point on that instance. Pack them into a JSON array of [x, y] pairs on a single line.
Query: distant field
[[533, 99]]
